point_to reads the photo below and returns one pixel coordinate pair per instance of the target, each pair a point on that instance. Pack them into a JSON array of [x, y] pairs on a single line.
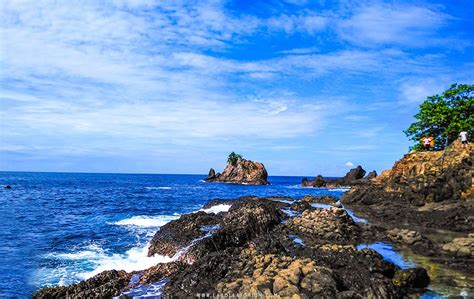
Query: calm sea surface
[[59, 228]]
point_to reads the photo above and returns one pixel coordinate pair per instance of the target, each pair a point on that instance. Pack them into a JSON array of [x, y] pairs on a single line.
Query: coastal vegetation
[[233, 158], [444, 116]]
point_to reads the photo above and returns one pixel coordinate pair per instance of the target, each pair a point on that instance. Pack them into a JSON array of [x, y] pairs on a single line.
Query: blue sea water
[[60, 228]]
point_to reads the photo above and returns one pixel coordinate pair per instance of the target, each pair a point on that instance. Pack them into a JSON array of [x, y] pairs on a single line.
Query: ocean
[[60, 228]]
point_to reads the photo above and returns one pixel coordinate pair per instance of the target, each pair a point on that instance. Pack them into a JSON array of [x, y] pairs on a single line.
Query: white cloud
[[349, 164], [407, 25]]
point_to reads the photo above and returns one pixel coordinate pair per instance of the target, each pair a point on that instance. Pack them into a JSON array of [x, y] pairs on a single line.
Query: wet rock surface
[[104, 285], [241, 172], [180, 233], [256, 249]]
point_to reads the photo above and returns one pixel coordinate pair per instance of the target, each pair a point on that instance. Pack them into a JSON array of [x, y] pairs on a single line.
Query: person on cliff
[[427, 142], [463, 136]]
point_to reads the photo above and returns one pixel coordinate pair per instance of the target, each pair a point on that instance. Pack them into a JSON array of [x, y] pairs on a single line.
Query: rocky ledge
[[241, 172], [355, 176], [263, 247], [425, 202]]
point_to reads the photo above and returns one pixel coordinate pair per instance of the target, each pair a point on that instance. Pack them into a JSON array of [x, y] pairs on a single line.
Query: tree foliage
[[233, 157], [444, 116]]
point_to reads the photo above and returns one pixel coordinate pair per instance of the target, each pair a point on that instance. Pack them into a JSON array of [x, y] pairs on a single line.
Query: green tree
[[233, 157], [444, 116]]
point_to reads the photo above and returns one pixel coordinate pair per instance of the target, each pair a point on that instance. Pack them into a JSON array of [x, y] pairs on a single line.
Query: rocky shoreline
[[315, 246], [269, 246]]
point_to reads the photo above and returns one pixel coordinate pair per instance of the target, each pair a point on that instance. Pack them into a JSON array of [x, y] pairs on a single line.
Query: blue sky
[[306, 87]]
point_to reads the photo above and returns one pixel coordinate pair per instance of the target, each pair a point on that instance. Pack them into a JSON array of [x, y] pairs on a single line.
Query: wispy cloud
[[394, 24]]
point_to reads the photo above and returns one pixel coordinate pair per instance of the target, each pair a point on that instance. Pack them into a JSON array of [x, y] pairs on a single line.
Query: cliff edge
[[420, 178]]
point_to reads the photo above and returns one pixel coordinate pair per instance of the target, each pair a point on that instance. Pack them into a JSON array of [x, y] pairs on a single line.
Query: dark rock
[[326, 199], [8, 187], [212, 174], [354, 174], [180, 233], [104, 285], [319, 181], [371, 175], [244, 222], [301, 206], [416, 278]]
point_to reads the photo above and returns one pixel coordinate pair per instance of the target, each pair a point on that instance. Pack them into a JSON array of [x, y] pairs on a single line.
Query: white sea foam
[[344, 189], [159, 188], [133, 260], [285, 201], [147, 221], [217, 209], [90, 252]]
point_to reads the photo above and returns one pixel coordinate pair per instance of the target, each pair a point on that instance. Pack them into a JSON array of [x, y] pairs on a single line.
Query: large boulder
[[179, 233], [241, 172]]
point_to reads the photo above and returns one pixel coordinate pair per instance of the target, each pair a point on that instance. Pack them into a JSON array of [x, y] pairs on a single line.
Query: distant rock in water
[[8, 187], [212, 174], [241, 172], [355, 176]]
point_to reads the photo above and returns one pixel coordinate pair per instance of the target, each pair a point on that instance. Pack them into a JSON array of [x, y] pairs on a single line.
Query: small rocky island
[[240, 171], [355, 176]]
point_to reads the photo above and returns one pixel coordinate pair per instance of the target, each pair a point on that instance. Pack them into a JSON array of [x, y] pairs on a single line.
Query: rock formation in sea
[[425, 195], [355, 176], [282, 247], [241, 172]]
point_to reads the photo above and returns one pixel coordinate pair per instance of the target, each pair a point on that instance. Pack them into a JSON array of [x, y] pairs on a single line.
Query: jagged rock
[[212, 174], [104, 285], [180, 233], [416, 278], [319, 181], [242, 172], [420, 178], [254, 251], [301, 206], [355, 176], [243, 222], [371, 175]]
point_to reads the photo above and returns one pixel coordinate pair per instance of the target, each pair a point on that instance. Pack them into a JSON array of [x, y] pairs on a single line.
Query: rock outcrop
[[241, 172], [104, 285], [257, 250], [420, 178], [424, 192], [355, 176]]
